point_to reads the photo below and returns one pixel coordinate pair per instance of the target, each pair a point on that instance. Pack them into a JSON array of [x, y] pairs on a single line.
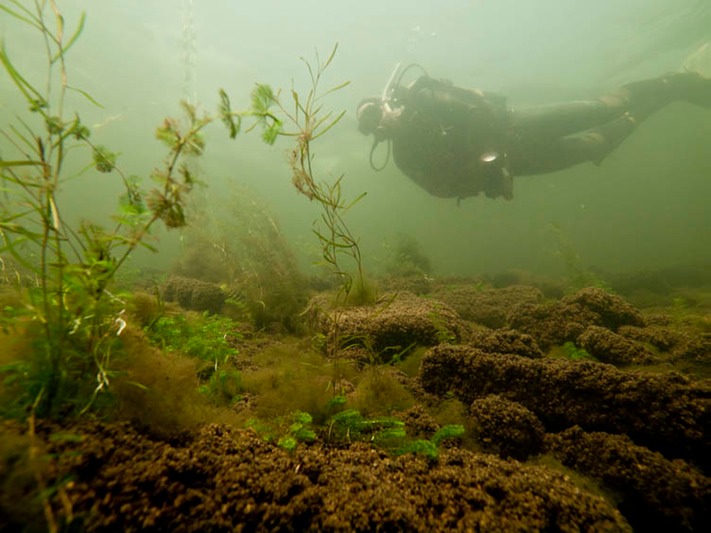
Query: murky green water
[[646, 207]]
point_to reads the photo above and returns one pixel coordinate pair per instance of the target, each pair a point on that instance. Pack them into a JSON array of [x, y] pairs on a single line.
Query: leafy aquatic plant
[[430, 448], [209, 339], [575, 353], [68, 307], [300, 430], [205, 337], [350, 425], [310, 122], [239, 244], [287, 431], [387, 433]]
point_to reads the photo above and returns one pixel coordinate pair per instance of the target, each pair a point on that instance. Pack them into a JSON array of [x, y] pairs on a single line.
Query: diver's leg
[[605, 123], [646, 97], [641, 99], [592, 145], [557, 120]]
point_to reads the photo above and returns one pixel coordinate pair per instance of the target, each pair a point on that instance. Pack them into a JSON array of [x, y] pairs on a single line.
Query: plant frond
[[64, 49], [28, 18], [31, 94], [336, 88], [232, 121], [330, 57], [85, 95], [331, 124], [4, 163]]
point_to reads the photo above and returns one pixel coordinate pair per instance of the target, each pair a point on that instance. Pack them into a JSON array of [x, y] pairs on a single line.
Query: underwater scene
[[355, 265]]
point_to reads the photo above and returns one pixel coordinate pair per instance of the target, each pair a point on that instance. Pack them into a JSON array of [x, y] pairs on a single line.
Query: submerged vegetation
[[238, 245], [64, 270], [81, 336], [407, 258], [310, 122], [301, 373], [578, 275]]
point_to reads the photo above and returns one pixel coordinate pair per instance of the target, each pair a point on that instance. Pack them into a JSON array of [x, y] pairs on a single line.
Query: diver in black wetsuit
[[457, 143]]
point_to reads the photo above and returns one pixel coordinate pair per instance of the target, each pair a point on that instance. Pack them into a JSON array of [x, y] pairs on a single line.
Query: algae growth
[[237, 389]]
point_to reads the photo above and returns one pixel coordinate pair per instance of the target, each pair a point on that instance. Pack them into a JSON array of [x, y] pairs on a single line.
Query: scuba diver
[[457, 143]]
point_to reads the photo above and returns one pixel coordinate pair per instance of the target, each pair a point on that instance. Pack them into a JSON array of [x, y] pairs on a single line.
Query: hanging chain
[[189, 52]]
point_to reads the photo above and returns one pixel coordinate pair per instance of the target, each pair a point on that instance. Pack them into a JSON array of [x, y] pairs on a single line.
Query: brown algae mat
[[576, 419]]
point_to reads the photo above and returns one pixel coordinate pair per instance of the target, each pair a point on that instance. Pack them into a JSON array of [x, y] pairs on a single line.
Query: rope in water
[[189, 52]]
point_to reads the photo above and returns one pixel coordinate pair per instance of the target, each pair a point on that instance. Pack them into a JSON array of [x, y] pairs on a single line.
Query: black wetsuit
[[457, 143]]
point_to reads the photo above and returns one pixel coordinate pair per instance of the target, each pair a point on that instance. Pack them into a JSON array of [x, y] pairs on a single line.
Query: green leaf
[[336, 88], [386, 435], [330, 57], [85, 95], [447, 432], [262, 99], [327, 128], [168, 133], [4, 163], [422, 447], [288, 443], [63, 50], [32, 95], [104, 159], [30, 19], [78, 130], [271, 132], [355, 201], [231, 121], [62, 436]]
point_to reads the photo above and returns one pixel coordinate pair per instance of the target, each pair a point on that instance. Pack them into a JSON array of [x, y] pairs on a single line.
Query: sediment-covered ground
[[577, 419]]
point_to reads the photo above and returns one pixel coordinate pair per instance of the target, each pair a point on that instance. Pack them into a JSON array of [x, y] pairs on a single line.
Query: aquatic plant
[[299, 431], [388, 433], [379, 389], [578, 275], [350, 425], [575, 353], [240, 245], [206, 337], [286, 431], [407, 257], [443, 333], [209, 339], [430, 447], [310, 122], [68, 306]]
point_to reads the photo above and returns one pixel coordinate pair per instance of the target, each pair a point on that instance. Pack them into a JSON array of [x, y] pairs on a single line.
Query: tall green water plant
[[305, 119], [70, 266], [310, 122]]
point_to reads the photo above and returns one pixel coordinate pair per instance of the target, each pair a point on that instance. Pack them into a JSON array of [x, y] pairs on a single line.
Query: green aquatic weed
[[350, 424], [300, 430], [66, 269], [430, 448], [206, 337], [286, 431], [310, 122], [104, 159], [575, 353]]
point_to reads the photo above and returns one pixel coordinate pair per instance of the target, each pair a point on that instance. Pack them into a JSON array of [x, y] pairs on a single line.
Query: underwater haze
[[645, 208]]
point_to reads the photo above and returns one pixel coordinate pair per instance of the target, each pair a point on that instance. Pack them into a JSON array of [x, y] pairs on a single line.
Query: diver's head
[[369, 113]]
